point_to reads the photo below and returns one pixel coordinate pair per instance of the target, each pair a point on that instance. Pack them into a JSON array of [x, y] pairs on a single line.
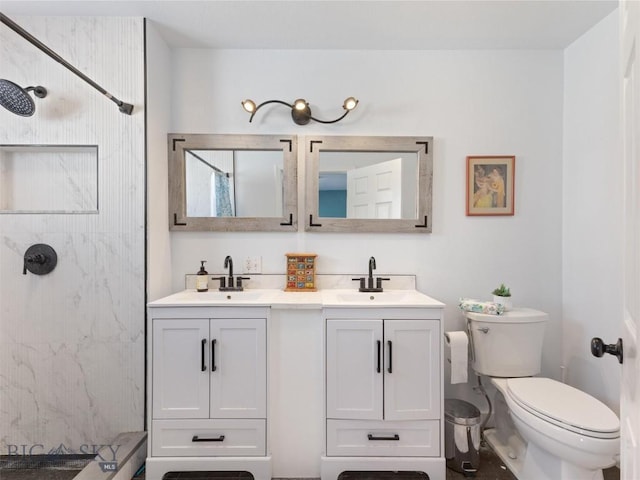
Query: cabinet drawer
[[208, 438], [383, 439]]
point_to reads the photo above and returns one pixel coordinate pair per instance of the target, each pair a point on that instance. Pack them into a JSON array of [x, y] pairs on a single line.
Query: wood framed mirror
[[232, 182], [368, 184]]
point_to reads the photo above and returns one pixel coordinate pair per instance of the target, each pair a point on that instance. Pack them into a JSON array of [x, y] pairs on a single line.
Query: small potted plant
[[502, 296]]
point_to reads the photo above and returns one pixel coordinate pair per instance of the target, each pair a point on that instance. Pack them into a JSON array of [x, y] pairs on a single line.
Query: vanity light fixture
[[123, 107], [300, 110]]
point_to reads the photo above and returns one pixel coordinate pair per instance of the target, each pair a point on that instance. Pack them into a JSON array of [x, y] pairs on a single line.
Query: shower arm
[[124, 107]]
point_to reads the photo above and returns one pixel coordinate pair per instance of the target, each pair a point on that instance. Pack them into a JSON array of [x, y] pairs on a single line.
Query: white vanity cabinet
[[209, 368], [265, 381], [383, 377], [208, 385]]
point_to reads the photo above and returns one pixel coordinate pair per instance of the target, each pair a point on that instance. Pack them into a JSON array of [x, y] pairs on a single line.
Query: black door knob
[[599, 348]]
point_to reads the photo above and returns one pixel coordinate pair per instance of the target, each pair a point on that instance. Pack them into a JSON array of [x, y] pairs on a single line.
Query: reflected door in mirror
[[368, 184]]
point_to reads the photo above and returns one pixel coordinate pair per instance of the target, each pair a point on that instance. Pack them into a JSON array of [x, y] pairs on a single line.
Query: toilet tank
[[507, 345]]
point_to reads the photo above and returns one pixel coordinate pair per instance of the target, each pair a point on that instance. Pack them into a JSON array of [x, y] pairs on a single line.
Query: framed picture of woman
[[490, 185]]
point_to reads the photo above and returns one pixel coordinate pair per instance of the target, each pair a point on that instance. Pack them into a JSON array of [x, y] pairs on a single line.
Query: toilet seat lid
[[564, 406]]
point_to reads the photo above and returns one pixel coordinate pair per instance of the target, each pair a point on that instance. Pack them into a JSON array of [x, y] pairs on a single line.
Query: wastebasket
[[462, 436]]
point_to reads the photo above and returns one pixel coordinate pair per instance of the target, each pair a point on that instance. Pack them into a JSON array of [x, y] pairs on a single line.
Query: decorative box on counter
[[301, 272]]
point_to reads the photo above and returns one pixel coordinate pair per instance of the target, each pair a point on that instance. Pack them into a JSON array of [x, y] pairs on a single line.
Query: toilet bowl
[[569, 434], [545, 430]]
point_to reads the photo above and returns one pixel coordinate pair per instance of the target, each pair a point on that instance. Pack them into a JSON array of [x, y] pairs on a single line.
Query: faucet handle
[[223, 281], [239, 281], [361, 280], [379, 281]]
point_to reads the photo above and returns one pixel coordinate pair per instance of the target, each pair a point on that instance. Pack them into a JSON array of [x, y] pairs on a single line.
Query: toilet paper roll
[[458, 342]]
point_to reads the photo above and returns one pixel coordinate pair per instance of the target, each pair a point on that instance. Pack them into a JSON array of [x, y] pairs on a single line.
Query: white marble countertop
[[276, 298]]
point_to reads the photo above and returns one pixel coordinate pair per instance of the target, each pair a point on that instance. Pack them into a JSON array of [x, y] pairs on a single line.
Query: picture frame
[[490, 185]]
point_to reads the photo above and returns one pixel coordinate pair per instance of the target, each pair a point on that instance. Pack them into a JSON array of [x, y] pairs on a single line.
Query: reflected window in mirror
[[369, 184], [232, 182]]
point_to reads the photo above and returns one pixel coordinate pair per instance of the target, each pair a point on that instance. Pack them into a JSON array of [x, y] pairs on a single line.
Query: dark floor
[[45, 467], [491, 468]]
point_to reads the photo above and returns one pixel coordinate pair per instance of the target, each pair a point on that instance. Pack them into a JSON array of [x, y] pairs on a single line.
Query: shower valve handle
[[39, 259]]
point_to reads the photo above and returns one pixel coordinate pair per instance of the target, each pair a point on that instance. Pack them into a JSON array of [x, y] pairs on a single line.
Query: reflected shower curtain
[[223, 199]]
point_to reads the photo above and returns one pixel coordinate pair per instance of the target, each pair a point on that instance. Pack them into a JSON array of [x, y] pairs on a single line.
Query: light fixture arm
[[330, 121], [124, 107], [265, 103]]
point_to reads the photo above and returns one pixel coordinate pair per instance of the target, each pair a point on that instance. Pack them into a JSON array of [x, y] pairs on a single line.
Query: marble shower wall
[[72, 341]]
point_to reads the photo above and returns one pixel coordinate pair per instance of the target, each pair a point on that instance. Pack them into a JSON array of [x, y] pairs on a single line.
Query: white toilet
[[545, 429]]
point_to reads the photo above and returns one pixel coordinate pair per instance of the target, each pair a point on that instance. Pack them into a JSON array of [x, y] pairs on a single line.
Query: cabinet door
[[238, 368], [412, 369], [354, 369], [180, 368]]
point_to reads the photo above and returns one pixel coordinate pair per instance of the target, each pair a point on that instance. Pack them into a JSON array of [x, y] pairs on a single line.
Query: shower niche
[[48, 179]]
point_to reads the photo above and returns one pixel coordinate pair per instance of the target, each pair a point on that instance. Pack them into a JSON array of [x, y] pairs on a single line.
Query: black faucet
[[230, 287], [228, 263], [366, 284], [372, 267]]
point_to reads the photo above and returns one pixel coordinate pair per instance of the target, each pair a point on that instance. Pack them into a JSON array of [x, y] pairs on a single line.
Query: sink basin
[[373, 297], [388, 298], [216, 297]]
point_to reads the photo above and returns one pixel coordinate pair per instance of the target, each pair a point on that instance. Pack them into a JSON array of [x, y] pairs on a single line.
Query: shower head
[[16, 99]]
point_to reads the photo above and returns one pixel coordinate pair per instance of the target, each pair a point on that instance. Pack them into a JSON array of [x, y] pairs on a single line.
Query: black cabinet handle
[[390, 369], [379, 346], [217, 439], [213, 355], [203, 366], [394, 437]]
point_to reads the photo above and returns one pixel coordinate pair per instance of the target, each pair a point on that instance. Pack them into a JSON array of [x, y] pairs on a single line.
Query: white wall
[[72, 341], [592, 210], [471, 102], [158, 114]]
